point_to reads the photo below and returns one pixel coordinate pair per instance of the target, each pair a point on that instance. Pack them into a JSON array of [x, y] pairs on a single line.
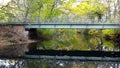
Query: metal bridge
[[64, 22]]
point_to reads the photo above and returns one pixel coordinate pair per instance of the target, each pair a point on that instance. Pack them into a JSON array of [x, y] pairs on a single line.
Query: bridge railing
[[61, 20]]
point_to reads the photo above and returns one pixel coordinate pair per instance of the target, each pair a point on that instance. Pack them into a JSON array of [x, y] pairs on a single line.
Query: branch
[[53, 6]]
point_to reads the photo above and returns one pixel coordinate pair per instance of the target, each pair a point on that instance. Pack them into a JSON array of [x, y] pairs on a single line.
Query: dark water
[[19, 50], [14, 50]]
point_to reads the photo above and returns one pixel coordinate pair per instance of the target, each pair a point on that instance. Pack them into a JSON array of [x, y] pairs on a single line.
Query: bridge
[[64, 22]]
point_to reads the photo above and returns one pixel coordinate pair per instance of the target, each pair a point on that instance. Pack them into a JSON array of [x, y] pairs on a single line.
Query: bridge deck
[[64, 22], [97, 26], [64, 25]]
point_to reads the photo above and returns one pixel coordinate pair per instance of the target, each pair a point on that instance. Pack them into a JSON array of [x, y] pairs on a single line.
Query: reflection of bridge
[[64, 22], [98, 56]]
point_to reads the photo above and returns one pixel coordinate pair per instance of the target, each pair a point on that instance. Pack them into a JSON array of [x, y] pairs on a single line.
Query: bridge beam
[[89, 26]]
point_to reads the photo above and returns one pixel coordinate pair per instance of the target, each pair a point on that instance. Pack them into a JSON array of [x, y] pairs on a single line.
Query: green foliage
[[46, 31], [2, 16], [8, 11], [77, 39], [109, 32], [73, 39], [64, 39], [86, 8], [44, 8], [46, 45], [98, 8], [93, 31], [109, 44], [48, 9]]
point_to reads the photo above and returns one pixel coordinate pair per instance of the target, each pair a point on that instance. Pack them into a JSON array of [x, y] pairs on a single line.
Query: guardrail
[[61, 20]]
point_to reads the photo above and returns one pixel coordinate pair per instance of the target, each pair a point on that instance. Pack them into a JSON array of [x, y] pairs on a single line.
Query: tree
[[30, 9], [40, 8], [8, 11], [90, 8], [114, 8]]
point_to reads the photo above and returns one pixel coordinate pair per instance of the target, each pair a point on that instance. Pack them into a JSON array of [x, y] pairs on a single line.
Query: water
[[14, 50], [45, 63], [80, 39], [19, 50], [60, 39]]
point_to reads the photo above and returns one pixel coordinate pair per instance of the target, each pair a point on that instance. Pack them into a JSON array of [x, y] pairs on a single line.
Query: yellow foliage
[[87, 8]]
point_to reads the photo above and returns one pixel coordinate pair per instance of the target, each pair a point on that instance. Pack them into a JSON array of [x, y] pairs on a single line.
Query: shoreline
[[19, 43]]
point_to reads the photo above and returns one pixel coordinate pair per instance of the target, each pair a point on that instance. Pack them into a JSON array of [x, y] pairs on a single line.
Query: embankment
[[13, 35]]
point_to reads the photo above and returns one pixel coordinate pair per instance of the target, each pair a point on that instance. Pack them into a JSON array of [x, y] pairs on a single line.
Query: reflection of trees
[[94, 39], [45, 63], [105, 39], [70, 39], [13, 50], [81, 39]]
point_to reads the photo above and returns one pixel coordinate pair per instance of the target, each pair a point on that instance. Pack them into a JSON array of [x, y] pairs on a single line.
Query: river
[[60, 39]]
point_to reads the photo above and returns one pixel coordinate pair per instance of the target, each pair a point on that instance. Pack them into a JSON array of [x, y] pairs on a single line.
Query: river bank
[[12, 35]]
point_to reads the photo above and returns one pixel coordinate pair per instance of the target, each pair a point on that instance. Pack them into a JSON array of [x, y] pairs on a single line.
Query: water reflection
[[45, 63], [61, 40], [14, 50], [79, 39]]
